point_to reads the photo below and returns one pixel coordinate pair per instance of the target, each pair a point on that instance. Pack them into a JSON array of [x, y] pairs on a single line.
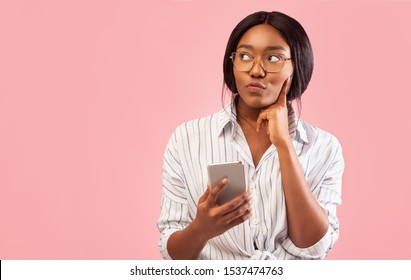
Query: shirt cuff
[[317, 251], [162, 243]]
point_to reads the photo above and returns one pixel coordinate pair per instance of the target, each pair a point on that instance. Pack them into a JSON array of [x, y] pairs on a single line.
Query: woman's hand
[[214, 219], [211, 220], [275, 118]]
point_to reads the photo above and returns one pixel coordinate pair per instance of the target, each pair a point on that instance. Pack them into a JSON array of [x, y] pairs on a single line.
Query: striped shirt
[[219, 138]]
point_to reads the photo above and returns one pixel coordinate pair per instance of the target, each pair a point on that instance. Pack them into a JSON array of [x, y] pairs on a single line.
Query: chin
[[257, 102]]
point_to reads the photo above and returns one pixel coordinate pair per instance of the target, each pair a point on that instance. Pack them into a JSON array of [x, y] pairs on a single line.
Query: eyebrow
[[269, 48]]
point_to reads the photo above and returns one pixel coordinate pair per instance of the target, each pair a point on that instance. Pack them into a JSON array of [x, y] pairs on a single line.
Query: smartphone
[[234, 172]]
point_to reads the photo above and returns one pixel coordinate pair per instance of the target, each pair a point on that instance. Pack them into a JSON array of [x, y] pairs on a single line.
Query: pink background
[[90, 92]]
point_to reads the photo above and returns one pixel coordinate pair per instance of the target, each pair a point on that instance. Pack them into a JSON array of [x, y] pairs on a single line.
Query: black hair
[[295, 36]]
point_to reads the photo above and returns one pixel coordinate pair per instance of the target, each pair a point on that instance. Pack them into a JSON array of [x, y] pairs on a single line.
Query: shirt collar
[[227, 118]]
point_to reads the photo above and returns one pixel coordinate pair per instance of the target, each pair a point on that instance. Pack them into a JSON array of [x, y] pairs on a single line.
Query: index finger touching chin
[[282, 99], [287, 85]]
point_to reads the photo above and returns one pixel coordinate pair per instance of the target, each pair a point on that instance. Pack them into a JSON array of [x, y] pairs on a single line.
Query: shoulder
[[208, 123], [191, 130], [318, 137], [321, 154]]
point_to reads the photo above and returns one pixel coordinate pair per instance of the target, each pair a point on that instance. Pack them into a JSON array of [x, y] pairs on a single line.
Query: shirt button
[[256, 221]]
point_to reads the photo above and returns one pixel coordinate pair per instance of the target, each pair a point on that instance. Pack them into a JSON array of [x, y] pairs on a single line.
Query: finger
[[235, 203], [212, 197], [205, 195], [260, 120], [241, 219], [238, 212], [282, 99], [266, 127], [263, 119]]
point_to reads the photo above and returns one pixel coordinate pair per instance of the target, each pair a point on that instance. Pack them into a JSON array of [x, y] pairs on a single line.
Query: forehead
[[262, 36]]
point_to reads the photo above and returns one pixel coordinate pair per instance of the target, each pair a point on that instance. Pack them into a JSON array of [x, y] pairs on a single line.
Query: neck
[[246, 114]]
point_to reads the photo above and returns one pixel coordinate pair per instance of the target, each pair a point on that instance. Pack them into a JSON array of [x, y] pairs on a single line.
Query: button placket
[[254, 220]]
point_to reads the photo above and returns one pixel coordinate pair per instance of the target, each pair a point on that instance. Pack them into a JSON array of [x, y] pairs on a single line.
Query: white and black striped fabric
[[219, 138]]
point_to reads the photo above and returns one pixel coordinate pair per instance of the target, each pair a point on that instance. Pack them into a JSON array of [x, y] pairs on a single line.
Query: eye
[[273, 58], [245, 57]]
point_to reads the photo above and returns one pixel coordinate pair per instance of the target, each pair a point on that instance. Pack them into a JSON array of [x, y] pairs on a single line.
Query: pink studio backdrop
[[90, 92]]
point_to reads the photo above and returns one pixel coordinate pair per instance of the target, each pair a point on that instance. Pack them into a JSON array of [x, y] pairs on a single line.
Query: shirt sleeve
[[329, 197], [288, 251], [174, 214]]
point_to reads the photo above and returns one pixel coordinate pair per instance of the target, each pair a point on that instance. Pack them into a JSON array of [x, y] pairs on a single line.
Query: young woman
[[293, 170]]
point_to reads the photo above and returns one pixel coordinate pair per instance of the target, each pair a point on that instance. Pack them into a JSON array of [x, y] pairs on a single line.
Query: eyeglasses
[[271, 63]]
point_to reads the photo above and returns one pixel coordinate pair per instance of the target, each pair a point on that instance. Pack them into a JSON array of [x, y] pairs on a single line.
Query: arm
[[211, 220], [307, 221], [327, 192], [181, 236], [310, 216]]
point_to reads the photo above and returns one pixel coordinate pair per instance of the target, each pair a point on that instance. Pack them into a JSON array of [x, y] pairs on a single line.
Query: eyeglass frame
[[284, 59]]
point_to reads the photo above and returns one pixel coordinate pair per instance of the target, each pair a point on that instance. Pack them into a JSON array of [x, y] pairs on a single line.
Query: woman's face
[[257, 88]]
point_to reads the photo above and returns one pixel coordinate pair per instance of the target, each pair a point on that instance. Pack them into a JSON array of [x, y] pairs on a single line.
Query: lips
[[255, 87]]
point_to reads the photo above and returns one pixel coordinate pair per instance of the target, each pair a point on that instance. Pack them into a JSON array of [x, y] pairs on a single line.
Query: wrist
[[285, 144], [197, 232]]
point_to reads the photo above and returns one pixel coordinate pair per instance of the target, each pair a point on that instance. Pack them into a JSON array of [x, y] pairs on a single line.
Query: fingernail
[[224, 181]]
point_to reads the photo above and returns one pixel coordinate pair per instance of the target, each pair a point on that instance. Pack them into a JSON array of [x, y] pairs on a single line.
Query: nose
[[257, 70]]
